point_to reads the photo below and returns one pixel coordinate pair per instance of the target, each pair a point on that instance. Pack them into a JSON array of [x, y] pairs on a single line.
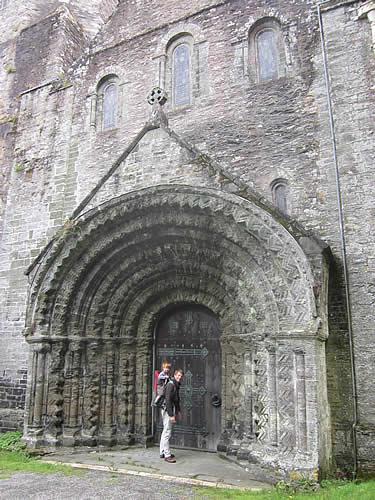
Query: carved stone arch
[[216, 304], [72, 291], [100, 287], [115, 289], [273, 242], [181, 28], [69, 288]]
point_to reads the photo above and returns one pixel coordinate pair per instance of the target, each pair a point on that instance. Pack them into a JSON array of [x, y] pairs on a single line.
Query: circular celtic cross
[[157, 95]]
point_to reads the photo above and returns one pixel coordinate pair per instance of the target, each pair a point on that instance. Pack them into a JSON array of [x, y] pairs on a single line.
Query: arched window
[[181, 77], [179, 68], [110, 106], [107, 107], [267, 60], [279, 189], [267, 55]]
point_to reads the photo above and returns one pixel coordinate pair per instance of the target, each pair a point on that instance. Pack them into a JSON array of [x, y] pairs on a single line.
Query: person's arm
[[177, 403], [169, 392]]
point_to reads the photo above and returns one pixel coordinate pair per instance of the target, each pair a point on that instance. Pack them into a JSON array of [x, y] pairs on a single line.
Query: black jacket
[[172, 397]]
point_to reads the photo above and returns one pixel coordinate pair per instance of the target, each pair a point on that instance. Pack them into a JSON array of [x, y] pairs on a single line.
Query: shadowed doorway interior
[[189, 337]]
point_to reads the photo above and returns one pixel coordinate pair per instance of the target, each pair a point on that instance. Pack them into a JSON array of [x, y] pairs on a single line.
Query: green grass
[[11, 441], [13, 461], [15, 458], [330, 490]]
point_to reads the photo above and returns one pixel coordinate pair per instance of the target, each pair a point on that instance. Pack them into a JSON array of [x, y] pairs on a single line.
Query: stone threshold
[[164, 477]]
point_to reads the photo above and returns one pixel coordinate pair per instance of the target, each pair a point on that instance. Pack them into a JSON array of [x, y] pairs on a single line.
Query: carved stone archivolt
[[101, 287]]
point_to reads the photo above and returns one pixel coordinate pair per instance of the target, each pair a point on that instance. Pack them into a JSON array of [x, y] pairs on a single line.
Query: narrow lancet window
[[110, 106], [267, 55], [267, 51], [181, 78], [280, 194]]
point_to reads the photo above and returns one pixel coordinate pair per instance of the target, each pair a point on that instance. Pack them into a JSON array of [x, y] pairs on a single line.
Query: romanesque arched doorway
[[96, 297], [189, 337]]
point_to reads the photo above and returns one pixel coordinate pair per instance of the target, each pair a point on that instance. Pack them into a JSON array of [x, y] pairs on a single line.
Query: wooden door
[[189, 337]]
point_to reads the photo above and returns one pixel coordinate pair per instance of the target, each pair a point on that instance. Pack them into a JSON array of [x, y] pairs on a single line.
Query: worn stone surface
[[91, 485], [234, 140]]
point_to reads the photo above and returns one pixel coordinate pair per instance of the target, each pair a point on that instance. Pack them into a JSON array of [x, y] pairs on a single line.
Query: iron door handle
[[216, 400]]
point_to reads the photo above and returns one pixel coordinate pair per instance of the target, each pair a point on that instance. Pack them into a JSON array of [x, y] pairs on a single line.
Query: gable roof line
[[227, 181], [237, 186]]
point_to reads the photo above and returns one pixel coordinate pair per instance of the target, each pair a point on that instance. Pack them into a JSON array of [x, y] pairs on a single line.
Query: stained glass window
[[267, 55], [109, 106], [181, 75]]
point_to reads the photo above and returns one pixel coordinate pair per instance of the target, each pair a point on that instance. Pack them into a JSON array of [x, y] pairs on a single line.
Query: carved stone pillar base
[[125, 437], [34, 438], [52, 441], [107, 436], [71, 436]]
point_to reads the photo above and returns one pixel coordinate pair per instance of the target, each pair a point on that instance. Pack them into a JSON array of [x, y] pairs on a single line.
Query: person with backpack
[[170, 413], [162, 380]]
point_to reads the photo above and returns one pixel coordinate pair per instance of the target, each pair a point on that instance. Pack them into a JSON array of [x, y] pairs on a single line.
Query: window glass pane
[[109, 106], [280, 194], [181, 75], [267, 55]]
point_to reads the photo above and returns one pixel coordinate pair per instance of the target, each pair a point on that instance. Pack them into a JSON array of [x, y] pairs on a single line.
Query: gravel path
[[91, 485]]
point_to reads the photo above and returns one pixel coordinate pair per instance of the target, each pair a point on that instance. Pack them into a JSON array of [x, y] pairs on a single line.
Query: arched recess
[[190, 40], [267, 50], [188, 336], [97, 296]]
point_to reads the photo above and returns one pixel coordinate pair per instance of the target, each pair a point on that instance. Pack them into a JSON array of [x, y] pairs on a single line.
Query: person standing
[[170, 413], [162, 381]]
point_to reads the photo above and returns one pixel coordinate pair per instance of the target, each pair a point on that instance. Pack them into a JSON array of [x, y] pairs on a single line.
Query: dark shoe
[[162, 455], [170, 460]]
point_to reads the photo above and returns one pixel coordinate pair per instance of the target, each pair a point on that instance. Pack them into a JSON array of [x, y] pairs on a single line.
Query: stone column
[[55, 401], [368, 10], [34, 434], [143, 414], [300, 389], [72, 424], [249, 382], [126, 391], [272, 403], [91, 409], [286, 398], [226, 391], [93, 110], [108, 427], [162, 62]]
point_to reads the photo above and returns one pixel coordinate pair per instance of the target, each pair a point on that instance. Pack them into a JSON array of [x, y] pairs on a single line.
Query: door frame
[[158, 318]]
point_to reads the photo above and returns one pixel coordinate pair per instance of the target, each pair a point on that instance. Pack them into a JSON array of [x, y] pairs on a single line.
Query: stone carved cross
[[157, 97]]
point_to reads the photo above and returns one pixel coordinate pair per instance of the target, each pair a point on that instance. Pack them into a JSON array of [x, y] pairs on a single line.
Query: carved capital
[[40, 346]]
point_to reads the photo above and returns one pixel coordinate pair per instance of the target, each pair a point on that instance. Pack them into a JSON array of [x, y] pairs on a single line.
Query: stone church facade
[[190, 181]]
